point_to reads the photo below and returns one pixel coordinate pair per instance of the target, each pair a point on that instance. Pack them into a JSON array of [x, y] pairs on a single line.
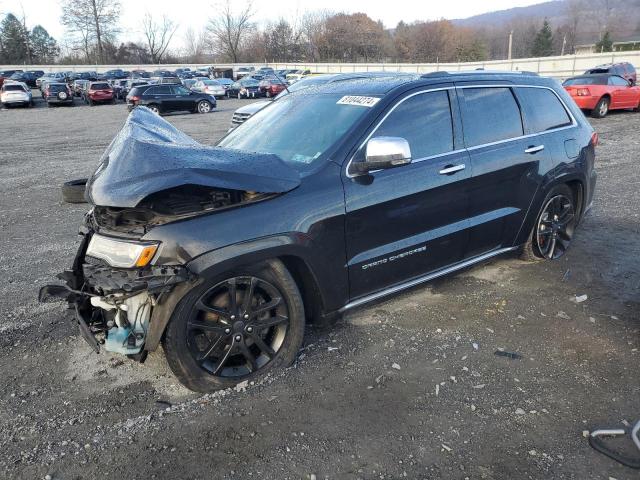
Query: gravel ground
[[405, 388]]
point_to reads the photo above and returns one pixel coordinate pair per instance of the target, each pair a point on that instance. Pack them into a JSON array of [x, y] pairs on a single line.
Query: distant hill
[[554, 11], [623, 18]]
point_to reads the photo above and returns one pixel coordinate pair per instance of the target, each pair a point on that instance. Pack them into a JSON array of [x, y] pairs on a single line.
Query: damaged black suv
[[329, 198]]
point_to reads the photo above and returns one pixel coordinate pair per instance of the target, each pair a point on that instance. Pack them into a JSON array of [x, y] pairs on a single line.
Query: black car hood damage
[[150, 155]]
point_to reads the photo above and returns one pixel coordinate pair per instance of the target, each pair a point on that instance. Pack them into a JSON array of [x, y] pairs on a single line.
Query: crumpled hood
[[150, 155]]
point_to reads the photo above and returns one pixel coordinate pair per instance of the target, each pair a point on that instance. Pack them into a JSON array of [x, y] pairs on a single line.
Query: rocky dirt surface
[[407, 388]]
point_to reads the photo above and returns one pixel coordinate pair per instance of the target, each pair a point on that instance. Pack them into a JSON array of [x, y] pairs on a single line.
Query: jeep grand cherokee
[[330, 198]]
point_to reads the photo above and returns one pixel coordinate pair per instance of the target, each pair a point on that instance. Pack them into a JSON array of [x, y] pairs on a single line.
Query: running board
[[423, 279]]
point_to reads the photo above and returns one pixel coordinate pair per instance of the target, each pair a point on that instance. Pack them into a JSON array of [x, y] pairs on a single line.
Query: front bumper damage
[[114, 307]]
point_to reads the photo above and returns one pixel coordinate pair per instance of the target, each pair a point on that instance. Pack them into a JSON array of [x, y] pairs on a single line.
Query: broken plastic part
[[149, 155]]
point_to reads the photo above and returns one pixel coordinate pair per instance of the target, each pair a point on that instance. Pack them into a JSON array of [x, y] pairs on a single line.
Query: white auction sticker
[[358, 100]]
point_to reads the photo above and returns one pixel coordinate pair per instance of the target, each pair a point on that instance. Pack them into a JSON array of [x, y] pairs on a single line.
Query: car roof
[[380, 83]]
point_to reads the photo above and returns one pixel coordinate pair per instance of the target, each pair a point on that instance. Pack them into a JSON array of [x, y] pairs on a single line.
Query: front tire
[[204, 106], [554, 228], [236, 327], [602, 108]]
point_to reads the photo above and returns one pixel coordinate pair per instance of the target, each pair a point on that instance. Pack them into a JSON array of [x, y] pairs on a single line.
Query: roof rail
[[478, 71]]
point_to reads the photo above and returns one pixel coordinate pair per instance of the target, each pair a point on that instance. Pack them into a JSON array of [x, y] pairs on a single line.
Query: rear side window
[[490, 115], [545, 111], [424, 120], [618, 81]]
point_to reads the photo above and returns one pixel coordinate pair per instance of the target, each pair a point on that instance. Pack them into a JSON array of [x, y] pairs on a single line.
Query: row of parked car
[[599, 90]]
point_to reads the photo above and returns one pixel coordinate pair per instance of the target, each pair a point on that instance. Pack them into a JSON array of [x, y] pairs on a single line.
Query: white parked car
[[212, 87], [16, 93]]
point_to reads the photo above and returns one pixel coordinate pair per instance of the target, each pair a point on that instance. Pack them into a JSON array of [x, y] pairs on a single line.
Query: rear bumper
[[586, 103]]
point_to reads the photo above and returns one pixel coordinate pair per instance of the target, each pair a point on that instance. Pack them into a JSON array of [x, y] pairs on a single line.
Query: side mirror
[[384, 152]]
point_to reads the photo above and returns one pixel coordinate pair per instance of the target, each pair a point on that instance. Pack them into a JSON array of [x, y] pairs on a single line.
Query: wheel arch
[[577, 185], [294, 251]]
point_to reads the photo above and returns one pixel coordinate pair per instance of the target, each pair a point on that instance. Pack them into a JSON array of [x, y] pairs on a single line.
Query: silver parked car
[[16, 93]]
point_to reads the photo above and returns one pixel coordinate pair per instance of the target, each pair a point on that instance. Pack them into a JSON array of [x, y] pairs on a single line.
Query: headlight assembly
[[121, 254]]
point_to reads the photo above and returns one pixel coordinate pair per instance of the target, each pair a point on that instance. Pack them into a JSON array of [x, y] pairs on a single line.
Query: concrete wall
[[558, 67]]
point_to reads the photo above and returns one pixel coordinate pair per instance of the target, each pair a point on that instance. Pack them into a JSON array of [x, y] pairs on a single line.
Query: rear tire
[[73, 191], [534, 250], [602, 108], [230, 355], [154, 108]]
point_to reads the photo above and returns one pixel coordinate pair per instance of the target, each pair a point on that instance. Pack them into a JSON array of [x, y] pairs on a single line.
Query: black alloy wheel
[[555, 227], [236, 328]]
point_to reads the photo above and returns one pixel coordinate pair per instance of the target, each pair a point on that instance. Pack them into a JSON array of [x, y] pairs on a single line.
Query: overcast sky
[[195, 13]]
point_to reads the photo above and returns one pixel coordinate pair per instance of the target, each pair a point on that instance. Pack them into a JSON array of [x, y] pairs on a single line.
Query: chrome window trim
[[574, 122], [349, 175]]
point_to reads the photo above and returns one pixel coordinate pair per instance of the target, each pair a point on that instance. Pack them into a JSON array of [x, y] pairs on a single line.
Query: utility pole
[[564, 44], [510, 45]]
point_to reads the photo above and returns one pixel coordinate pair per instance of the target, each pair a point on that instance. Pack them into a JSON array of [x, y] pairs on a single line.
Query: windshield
[[298, 128], [100, 86], [211, 82], [586, 81], [249, 82]]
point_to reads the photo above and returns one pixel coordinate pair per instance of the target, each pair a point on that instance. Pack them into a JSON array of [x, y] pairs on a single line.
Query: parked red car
[[99, 92], [600, 93], [270, 87]]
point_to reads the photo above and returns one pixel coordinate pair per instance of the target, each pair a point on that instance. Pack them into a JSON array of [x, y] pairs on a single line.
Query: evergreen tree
[[605, 44], [13, 40], [44, 47], [543, 43]]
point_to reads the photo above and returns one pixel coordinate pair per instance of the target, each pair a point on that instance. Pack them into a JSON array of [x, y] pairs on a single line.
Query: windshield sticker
[[358, 100]]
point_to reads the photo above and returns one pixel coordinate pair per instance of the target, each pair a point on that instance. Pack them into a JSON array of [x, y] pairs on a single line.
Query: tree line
[[92, 31]]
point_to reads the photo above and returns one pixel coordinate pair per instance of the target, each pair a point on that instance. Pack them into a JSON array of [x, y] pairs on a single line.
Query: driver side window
[[425, 121]]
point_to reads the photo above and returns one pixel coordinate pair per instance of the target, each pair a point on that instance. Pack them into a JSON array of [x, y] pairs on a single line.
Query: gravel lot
[[405, 388]]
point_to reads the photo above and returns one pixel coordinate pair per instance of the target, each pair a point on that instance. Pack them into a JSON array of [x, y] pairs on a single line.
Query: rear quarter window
[[544, 110], [490, 115]]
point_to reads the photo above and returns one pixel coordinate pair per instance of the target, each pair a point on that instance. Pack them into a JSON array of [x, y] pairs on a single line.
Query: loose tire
[[204, 106], [73, 191], [235, 328], [552, 233], [602, 108]]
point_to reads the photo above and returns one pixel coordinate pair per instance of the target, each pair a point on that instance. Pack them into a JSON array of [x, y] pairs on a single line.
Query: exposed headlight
[[121, 254]]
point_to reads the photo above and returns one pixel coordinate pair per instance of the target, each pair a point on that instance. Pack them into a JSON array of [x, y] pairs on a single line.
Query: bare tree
[[195, 45], [229, 29], [94, 21], [158, 35]]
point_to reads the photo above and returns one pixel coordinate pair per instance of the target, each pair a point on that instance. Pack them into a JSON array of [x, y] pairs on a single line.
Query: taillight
[[583, 92], [135, 99], [46, 91], [595, 139]]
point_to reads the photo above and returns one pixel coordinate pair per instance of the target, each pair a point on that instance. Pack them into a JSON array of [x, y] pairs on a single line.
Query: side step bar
[[423, 279]]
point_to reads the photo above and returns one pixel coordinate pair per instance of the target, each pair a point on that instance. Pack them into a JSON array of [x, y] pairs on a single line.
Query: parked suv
[[170, 98], [622, 69], [57, 94], [98, 92], [330, 198], [15, 93]]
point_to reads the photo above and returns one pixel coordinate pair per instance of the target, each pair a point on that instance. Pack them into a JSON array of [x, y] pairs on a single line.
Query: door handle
[[451, 169], [532, 150]]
